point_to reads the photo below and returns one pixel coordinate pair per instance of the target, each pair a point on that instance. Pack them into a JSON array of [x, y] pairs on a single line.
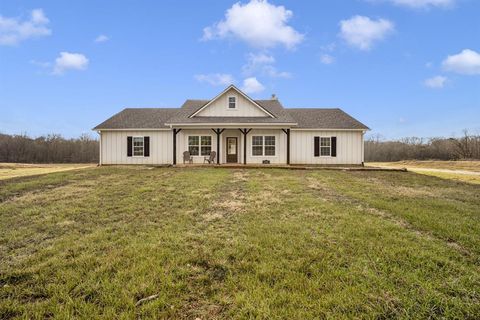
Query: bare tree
[[413, 148], [48, 149]]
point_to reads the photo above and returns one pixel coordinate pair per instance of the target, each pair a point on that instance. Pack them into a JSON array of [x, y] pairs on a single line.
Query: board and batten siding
[[280, 156], [219, 107], [182, 143], [349, 147], [114, 147]]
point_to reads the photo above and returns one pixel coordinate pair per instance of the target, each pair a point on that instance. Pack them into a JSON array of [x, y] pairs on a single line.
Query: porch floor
[[290, 167]]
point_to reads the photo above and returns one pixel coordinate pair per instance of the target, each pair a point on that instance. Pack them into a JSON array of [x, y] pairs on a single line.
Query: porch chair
[[210, 158], [187, 157]]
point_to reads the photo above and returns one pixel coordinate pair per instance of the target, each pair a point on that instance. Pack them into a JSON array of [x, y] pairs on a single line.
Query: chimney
[[274, 97]]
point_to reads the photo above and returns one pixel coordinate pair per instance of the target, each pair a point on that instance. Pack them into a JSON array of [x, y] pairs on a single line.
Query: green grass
[[223, 243]]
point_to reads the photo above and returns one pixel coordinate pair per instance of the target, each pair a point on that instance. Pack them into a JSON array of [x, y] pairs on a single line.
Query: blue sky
[[403, 67]]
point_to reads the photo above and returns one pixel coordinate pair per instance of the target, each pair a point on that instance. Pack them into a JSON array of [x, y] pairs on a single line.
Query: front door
[[232, 150]]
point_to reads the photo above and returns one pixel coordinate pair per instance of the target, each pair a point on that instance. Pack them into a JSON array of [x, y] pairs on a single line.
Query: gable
[[245, 107]]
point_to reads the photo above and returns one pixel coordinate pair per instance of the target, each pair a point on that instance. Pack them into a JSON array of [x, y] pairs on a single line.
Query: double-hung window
[[232, 102], [325, 146], [263, 145], [138, 146], [200, 145]]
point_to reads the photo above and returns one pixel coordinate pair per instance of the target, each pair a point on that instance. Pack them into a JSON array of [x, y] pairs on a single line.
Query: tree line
[[52, 148], [465, 147]]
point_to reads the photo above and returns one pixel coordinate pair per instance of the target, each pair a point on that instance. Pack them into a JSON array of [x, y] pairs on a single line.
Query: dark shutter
[[334, 146], [146, 146], [316, 147], [129, 146]]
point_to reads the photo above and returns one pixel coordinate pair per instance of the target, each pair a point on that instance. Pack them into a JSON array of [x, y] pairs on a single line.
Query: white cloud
[[215, 79], [252, 85], [67, 60], [327, 59], [423, 3], [402, 120], [258, 23], [13, 31], [362, 32], [435, 82], [102, 38], [41, 64], [465, 62], [263, 63]]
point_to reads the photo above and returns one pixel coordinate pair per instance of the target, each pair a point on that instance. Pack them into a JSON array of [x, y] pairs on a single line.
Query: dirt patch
[[231, 199], [240, 176]]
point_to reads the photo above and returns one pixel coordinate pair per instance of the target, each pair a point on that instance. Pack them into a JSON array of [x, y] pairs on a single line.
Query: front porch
[[233, 146]]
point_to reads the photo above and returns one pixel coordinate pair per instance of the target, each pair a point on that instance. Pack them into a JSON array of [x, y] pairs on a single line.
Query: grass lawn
[[13, 170], [232, 243]]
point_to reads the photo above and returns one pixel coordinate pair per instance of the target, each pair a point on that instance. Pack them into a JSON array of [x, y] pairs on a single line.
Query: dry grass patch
[[15, 170]]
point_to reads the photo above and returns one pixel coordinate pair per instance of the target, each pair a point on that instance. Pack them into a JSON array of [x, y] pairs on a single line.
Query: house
[[242, 130]]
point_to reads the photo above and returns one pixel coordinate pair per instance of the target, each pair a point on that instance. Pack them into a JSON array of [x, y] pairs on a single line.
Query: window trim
[[199, 145], [228, 103], [320, 146], [263, 145], [143, 147]]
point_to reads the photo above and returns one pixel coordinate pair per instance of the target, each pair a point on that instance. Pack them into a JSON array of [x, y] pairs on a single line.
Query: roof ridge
[[312, 108]]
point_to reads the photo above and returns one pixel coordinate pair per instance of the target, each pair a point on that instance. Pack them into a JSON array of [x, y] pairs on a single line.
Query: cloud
[[362, 32], [435, 82], [101, 38], [402, 120], [41, 64], [466, 62], [327, 59], [252, 85], [13, 31], [418, 4], [258, 23], [67, 60], [263, 63], [215, 79]]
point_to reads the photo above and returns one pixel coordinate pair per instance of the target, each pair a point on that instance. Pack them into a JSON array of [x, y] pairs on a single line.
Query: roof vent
[[274, 97]]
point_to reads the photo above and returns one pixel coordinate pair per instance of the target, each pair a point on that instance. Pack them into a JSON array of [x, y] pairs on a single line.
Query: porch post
[[288, 146], [245, 132], [175, 131], [245, 146], [218, 146], [287, 132], [218, 132]]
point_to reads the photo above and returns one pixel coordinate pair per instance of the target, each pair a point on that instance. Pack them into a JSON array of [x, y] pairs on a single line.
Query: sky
[[403, 67]]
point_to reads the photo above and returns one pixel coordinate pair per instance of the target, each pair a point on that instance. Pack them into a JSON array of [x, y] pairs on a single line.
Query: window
[[138, 146], [269, 145], [257, 146], [232, 102], [325, 146], [263, 145], [199, 145]]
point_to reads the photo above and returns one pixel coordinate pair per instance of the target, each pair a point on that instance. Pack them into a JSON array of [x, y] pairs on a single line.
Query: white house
[[239, 129]]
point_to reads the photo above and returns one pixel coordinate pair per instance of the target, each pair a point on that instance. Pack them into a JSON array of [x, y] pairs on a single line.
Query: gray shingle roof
[[191, 106], [139, 118], [325, 119], [155, 118]]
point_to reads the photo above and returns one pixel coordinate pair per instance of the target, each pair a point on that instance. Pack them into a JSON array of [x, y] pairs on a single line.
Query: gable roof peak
[[232, 86]]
